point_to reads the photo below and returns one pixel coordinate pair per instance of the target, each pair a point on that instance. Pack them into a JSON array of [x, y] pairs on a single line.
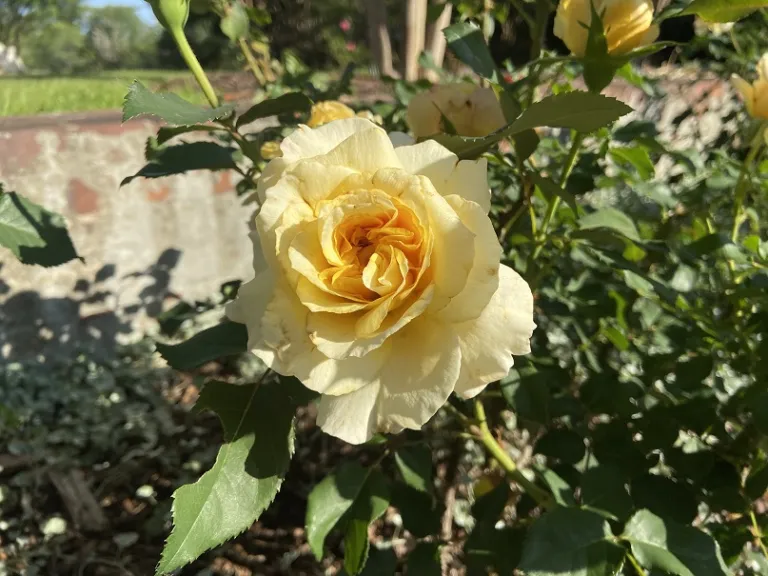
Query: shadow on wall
[[91, 321]]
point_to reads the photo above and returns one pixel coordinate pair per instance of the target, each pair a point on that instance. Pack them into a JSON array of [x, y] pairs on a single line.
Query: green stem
[[541, 496], [741, 193], [758, 533], [517, 5], [554, 202], [740, 190], [636, 565], [194, 65], [252, 64]]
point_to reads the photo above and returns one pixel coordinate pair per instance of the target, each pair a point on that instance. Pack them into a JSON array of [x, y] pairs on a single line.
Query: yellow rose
[[628, 24], [271, 150], [472, 110], [378, 278], [755, 95], [324, 112]]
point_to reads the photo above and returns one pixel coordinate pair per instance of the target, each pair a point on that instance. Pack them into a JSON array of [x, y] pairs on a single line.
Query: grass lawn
[[26, 95]]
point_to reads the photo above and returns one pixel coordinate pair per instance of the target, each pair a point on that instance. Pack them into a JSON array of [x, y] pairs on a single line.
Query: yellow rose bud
[[628, 24], [378, 278], [324, 112], [270, 150], [755, 95], [473, 111]]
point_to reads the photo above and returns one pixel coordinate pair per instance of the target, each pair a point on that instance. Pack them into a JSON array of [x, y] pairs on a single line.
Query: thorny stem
[[495, 449], [194, 65], [554, 203], [252, 64]]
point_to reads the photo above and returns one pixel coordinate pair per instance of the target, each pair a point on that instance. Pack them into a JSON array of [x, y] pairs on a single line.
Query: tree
[[118, 37], [18, 17], [421, 34]]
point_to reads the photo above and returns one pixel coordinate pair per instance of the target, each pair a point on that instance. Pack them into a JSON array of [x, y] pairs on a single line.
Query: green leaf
[[560, 489], [167, 106], [486, 547], [676, 549], [235, 23], [182, 158], [756, 484], [603, 489], [415, 465], [32, 233], [329, 500], [259, 436], [577, 110], [599, 69], [635, 156], [285, 104], [370, 504], [723, 10], [466, 41], [550, 189], [664, 497], [380, 563], [569, 541], [420, 515], [525, 142], [225, 339], [563, 445], [167, 132], [424, 560], [612, 219], [581, 111], [527, 395]]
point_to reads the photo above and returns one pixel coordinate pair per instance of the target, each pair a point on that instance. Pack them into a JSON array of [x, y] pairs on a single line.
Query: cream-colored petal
[[453, 253], [316, 181], [281, 201], [423, 116], [745, 89], [306, 142], [340, 377], [252, 300], [470, 181], [334, 334], [283, 337], [426, 361], [318, 300], [504, 328], [364, 151], [483, 279], [467, 178], [351, 417]]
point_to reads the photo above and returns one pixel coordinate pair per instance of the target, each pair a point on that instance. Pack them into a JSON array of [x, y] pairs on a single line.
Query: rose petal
[[426, 362], [467, 178], [504, 328], [351, 417], [334, 334], [483, 279]]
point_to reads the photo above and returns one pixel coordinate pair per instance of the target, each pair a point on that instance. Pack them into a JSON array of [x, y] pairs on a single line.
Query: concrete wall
[[183, 235]]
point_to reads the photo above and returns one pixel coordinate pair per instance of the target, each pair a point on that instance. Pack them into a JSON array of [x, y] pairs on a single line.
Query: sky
[[142, 8]]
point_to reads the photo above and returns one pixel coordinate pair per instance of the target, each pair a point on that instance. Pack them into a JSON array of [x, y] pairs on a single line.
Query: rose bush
[[630, 441], [378, 278]]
